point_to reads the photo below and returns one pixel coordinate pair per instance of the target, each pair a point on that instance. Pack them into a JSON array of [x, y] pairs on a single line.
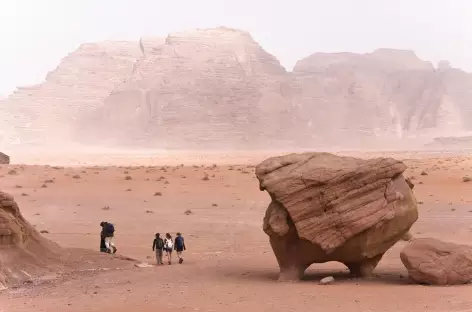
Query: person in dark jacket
[[179, 246], [158, 246], [108, 232]]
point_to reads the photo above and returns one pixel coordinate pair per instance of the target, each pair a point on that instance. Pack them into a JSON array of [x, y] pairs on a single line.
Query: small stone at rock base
[[2, 287], [327, 280], [143, 265]]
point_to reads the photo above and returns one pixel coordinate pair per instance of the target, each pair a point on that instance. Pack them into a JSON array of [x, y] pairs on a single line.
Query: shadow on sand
[[313, 276]]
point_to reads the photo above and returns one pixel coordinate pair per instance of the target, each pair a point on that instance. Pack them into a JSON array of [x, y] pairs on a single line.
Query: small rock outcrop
[[332, 208], [431, 261], [4, 159], [24, 253]]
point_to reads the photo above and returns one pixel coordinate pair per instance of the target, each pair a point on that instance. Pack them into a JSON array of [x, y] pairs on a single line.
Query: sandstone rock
[[4, 159], [47, 113], [452, 142], [327, 280], [332, 208], [431, 261], [212, 88], [408, 96], [23, 251], [217, 88]]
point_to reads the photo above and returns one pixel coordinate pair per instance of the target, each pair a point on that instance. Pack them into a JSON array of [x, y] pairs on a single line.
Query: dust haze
[[311, 154]]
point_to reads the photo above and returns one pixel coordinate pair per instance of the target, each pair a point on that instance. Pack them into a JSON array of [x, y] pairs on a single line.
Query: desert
[[342, 184], [229, 263]]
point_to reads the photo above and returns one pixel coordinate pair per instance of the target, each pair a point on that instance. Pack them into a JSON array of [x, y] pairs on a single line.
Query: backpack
[[110, 228], [169, 243], [160, 243], [179, 242]]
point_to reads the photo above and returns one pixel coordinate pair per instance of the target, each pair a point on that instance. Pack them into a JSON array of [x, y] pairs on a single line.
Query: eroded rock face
[[332, 208], [212, 88], [4, 159], [218, 88], [408, 96], [47, 113], [431, 261], [23, 251]]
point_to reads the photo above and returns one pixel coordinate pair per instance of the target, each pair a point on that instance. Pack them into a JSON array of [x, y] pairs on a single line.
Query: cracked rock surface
[[334, 208]]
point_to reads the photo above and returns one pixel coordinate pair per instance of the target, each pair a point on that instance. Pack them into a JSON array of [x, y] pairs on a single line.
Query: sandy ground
[[229, 265]]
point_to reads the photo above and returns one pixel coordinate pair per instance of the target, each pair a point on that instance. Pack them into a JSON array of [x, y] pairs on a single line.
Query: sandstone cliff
[[389, 94], [217, 88], [205, 88], [44, 113]]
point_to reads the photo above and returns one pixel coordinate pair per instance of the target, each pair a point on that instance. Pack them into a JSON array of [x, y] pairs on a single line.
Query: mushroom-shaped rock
[[333, 208], [4, 159], [431, 261], [24, 253]]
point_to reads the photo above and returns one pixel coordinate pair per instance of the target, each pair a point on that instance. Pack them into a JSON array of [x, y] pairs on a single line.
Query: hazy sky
[[36, 34]]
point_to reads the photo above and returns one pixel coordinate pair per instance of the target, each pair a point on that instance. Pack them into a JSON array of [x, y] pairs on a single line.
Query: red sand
[[229, 265]]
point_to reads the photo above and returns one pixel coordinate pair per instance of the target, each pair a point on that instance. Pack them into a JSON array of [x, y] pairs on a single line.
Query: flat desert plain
[[229, 266]]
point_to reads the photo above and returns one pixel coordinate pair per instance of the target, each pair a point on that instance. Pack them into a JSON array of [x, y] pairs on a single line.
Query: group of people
[[159, 245]]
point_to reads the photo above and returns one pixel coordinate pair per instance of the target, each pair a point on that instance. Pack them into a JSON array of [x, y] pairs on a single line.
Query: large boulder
[[24, 252], [332, 208], [431, 261], [4, 159]]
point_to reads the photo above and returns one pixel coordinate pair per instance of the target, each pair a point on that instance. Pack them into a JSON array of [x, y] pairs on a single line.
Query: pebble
[[327, 280]]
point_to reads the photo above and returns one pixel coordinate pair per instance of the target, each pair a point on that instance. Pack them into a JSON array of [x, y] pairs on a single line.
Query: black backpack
[[179, 242], [160, 243], [110, 228]]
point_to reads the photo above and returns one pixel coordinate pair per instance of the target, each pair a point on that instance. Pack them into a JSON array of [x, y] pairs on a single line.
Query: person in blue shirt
[[179, 246]]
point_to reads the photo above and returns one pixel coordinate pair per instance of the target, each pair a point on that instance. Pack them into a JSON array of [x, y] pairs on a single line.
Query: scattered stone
[[434, 262], [407, 237], [466, 179], [106, 208], [188, 212], [327, 280], [206, 177], [157, 194], [4, 159], [76, 176], [424, 173], [128, 178], [44, 232]]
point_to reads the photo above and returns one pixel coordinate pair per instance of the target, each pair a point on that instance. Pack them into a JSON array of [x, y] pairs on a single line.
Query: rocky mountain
[[218, 88], [43, 114], [206, 88]]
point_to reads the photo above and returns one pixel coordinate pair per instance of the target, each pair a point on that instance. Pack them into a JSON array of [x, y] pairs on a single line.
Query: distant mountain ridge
[[218, 88]]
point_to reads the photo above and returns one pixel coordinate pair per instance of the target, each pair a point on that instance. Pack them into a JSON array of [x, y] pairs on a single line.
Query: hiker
[[179, 246], [108, 232], [168, 246], [158, 246], [103, 247]]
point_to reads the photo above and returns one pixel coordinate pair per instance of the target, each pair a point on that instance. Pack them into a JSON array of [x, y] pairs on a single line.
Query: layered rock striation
[[218, 88], [331, 208]]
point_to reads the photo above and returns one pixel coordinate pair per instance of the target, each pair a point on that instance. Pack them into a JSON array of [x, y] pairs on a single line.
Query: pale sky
[[36, 34]]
